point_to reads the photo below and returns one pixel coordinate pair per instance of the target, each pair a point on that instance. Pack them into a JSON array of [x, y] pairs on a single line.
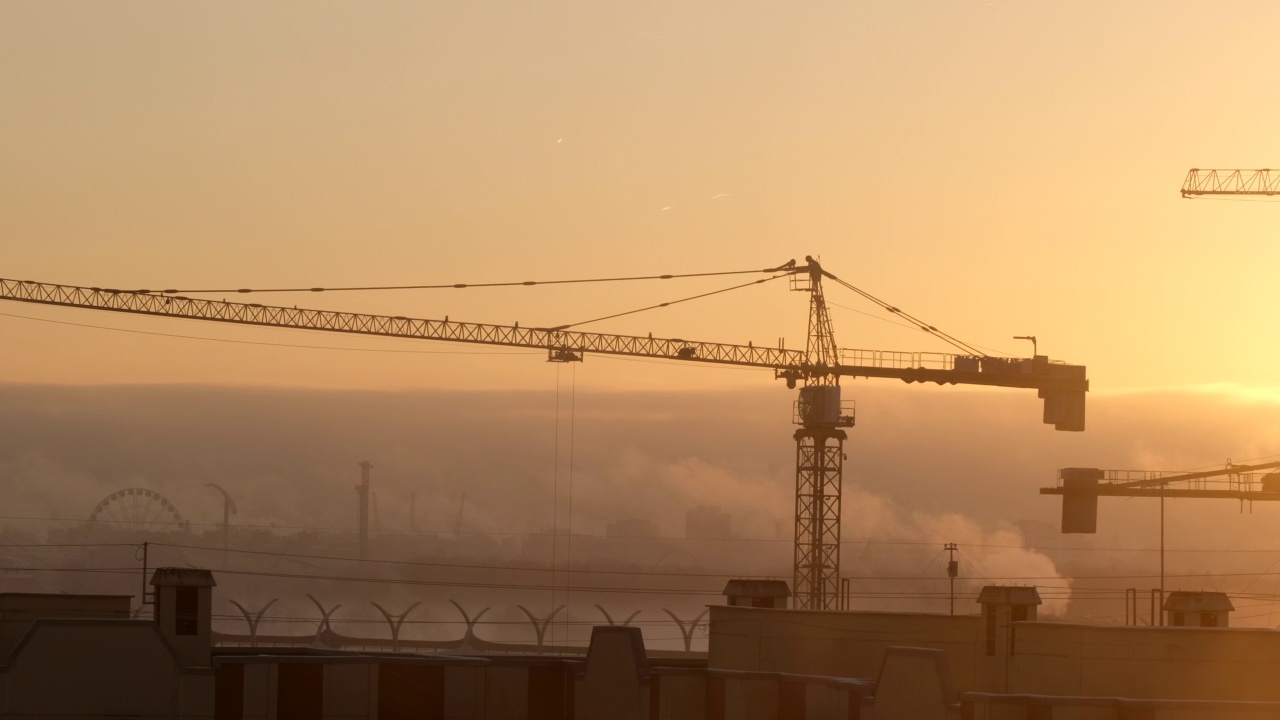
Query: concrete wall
[[983, 706], [679, 695], [839, 644], [614, 683], [464, 697], [350, 691], [355, 687], [19, 610], [1185, 663], [751, 697], [97, 668], [747, 695], [914, 684]]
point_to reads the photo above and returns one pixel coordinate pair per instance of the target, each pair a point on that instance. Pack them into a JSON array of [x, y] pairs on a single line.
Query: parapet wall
[[838, 644], [1185, 663]]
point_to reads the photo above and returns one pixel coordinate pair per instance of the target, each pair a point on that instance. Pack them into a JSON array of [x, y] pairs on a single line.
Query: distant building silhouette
[[707, 522], [631, 527]]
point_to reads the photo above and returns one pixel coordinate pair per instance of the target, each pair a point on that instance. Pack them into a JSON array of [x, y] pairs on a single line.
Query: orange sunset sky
[[996, 167]]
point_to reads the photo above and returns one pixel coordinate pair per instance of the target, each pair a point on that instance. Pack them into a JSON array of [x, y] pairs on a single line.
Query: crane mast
[[822, 417], [819, 411]]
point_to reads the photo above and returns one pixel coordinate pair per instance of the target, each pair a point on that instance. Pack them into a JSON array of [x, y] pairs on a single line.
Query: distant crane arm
[[1231, 182]]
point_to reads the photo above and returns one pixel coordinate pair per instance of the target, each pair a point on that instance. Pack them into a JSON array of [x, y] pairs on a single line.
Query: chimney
[[1001, 606], [183, 610]]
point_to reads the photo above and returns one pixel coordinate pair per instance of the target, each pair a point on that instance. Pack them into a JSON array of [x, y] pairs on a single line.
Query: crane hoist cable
[[462, 286]]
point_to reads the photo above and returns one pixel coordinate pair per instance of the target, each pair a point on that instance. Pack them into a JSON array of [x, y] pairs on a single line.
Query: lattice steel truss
[[939, 368], [819, 477], [1231, 182]]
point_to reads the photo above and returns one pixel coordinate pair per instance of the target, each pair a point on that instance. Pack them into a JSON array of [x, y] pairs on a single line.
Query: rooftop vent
[[758, 593], [1198, 609]]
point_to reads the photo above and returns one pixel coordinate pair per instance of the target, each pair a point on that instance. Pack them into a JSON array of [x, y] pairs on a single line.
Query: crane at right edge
[[1230, 182]]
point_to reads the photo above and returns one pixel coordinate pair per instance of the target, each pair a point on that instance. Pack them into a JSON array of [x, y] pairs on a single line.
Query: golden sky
[[996, 167]]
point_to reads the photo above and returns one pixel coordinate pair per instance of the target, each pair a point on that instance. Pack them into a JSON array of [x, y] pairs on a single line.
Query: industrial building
[[83, 656]]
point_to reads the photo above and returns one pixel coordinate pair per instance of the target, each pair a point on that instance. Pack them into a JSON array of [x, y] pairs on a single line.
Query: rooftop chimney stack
[[184, 612]]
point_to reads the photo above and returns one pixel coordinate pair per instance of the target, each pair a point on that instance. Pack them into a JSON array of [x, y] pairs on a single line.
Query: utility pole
[[462, 506], [953, 569], [362, 507], [413, 512], [144, 601]]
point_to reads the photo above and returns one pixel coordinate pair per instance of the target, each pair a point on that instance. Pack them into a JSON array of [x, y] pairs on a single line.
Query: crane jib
[[1062, 386], [397, 326]]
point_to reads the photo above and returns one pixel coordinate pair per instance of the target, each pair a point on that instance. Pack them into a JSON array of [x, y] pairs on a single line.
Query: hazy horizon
[[926, 466]]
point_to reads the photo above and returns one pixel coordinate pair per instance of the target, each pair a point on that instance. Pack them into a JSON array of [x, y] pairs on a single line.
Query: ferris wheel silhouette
[[138, 509]]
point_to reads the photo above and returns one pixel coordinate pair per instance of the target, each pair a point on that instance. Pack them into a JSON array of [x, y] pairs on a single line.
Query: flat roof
[[68, 596]]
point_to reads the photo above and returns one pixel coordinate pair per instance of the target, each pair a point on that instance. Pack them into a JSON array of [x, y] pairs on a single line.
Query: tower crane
[[1230, 182], [821, 415]]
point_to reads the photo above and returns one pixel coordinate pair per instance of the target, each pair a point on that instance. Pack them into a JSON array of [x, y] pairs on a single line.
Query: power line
[[1073, 594], [894, 578], [644, 538], [417, 563], [4, 545], [382, 581], [442, 583]]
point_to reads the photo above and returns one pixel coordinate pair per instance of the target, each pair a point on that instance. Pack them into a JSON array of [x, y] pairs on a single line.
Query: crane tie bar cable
[[667, 304], [461, 286], [961, 345]]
